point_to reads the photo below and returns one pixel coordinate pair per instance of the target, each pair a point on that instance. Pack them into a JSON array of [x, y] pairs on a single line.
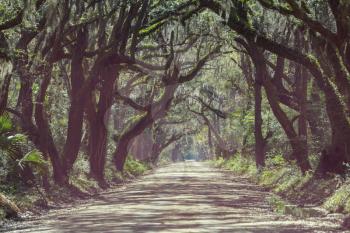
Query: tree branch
[[13, 22], [199, 66], [131, 103]]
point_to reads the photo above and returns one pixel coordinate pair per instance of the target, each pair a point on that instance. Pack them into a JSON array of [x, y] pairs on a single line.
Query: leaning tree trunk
[[221, 149], [337, 153], [74, 134], [159, 147], [10, 208], [298, 151], [154, 112], [125, 140]]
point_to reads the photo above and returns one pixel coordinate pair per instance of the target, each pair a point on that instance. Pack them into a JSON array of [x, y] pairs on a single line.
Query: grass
[[285, 179], [340, 200]]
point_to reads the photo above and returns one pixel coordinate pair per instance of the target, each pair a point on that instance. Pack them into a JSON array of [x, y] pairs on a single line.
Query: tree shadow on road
[[179, 200]]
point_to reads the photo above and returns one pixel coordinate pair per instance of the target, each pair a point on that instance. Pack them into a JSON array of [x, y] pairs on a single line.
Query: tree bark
[[4, 90], [210, 143], [298, 151], [159, 146], [154, 112], [156, 151], [125, 140], [11, 209], [301, 91], [259, 139], [46, 140], [76, 109], [175, 153], [97, 124], [314, 117]]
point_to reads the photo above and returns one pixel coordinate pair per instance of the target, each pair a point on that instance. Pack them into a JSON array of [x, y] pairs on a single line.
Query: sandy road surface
[[183, 197]]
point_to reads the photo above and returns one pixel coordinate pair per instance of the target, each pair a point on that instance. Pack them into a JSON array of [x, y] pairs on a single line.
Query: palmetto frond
[[10, 144]]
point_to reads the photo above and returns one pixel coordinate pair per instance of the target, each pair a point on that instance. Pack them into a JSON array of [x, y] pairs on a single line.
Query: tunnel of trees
[[86, 84]]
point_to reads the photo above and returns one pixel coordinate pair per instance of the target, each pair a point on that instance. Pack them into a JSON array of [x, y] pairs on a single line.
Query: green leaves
[[5, 124], [33, 156], [35, 159], [17, 138], [12, 146]]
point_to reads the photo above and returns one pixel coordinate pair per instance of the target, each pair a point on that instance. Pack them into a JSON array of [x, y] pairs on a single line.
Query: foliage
[[333, 193], [238, 164], [11, 148], [340, 200], [35, 159], [134, 167]]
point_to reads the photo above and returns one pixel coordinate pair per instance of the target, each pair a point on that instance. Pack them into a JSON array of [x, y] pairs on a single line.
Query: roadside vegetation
[[33, 199], [331, 193]]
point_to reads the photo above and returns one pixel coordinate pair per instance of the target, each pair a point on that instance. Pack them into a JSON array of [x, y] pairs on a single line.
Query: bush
[[134, 167], [275, 160], [238, 164]]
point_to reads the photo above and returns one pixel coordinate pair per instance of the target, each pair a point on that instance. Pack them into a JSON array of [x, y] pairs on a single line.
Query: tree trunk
[[156, 150], [98, 126], [175, 153], [40, 133], [4, 90], [46, 140], [259, 139], [74, 134], [154, 112], [125, 140], [76, 109], [10, 208], [314, 117], [298, 151], [210, 143], [301, 91], [338, 152], [98, 151]]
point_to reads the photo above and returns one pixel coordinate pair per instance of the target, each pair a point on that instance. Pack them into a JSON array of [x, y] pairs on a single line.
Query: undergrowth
[[32, 199], [285, 179]]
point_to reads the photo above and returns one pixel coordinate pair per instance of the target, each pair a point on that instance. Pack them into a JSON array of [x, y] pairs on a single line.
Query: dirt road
[[183, 197]]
